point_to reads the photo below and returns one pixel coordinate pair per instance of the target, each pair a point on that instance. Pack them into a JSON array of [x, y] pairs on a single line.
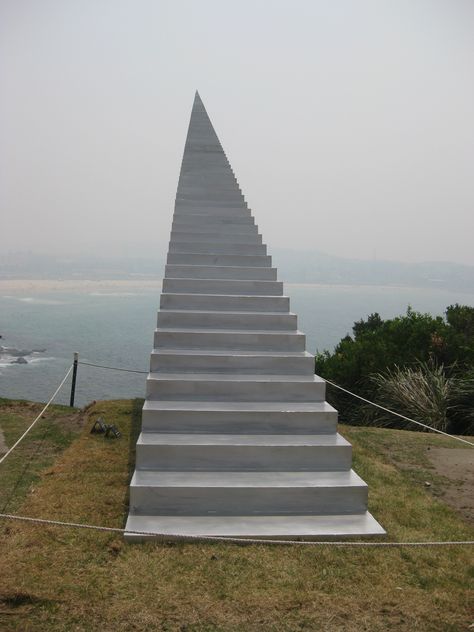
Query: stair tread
[[229, 281], [233, 377], [224, 312], [247, 479], [233, 352], [208, 330], [191, 439], [259, 526], [237, 406], [206, 265], [231, 296]]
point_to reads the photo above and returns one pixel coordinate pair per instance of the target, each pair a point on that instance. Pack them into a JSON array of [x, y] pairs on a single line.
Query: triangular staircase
[[237, 439]]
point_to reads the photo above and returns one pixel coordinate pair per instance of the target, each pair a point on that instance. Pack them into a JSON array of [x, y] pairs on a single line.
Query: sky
[[349, 124]]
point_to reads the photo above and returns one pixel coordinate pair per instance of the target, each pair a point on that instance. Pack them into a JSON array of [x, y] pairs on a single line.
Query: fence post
[[74, 375]]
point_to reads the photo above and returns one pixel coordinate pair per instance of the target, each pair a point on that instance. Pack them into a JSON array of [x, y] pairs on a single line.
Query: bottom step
[[279, 527]]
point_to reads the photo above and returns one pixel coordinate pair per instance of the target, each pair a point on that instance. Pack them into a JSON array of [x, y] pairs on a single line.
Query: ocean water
[[115, 328]]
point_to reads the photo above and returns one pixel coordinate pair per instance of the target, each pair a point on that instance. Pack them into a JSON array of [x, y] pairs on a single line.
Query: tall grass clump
[[425, 393]]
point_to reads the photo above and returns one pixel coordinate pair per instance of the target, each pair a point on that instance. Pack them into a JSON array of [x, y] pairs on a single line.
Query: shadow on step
[[135, 427]]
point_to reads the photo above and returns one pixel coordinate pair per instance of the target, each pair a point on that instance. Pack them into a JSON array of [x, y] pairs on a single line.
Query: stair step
[[258, 273], [198, 227], [227, 320], [223, 196], [235, 387], [217, 248], [222, 286], [224, 302], [199, 210], [197, 220], [225, 361], [221, 237], [210, 206], [277, 527], [229, 339], [235, 417], [260, 261], [261, 493], [225, 452]]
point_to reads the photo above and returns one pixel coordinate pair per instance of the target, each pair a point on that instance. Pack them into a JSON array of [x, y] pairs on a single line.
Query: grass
[[59, 426], [61, 579]]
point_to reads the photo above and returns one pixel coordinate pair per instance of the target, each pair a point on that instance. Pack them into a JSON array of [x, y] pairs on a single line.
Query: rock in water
[[20, 360]]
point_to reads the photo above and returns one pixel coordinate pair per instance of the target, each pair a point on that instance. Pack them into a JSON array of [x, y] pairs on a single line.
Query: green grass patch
[[59, 579], [54, 432]]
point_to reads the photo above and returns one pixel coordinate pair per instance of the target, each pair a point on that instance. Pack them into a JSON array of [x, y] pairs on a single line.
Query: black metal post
[[74, 375]]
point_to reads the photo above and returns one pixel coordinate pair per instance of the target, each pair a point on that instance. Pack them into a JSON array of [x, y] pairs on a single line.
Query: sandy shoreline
[[8, 286], [69, 285], [113, 285]]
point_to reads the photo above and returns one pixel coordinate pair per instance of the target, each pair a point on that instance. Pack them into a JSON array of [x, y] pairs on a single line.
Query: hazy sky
[[349, 123]]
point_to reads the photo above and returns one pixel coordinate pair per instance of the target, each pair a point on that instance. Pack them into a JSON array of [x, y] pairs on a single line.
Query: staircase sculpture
[[237, 438]]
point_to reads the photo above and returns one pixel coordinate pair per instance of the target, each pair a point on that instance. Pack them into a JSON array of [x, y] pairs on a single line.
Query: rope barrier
[[217, 538], [113, 368], [387, 410], [37, 418]]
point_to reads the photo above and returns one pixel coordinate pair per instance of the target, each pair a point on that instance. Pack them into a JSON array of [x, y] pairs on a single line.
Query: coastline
[[68, 285], [110, 285]]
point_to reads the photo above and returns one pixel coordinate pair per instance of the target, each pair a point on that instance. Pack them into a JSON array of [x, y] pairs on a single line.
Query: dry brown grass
[[61, 580]]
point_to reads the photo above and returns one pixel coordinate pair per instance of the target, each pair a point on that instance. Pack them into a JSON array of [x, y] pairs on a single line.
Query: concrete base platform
[[265, 527]]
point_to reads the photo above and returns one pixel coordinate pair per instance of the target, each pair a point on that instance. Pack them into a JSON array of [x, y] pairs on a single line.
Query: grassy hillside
[[62, 579]]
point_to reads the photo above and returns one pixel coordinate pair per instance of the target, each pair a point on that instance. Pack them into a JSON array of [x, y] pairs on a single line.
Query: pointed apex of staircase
[[198, 104], [201, 137]]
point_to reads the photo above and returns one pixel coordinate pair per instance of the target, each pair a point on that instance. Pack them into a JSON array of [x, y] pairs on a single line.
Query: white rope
[[113, 368], [392, 412], [218, 538], [38, 417]]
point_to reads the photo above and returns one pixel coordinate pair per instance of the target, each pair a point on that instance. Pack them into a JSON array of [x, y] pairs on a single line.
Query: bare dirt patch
[[457, 465]]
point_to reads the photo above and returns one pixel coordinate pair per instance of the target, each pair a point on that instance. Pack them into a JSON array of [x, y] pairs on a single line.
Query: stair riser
[[235, 422], [217, 181], [198, 227], [260, 261], [220, 272], [217, 248], [206, 221], [225, 340], [225, 303], [210, 195], [237, 458], [199, 205], [226, 320], [173, 363], [191, 211], [220, 237], [229, 391], [252, 501], [223, 286], [211, 186]]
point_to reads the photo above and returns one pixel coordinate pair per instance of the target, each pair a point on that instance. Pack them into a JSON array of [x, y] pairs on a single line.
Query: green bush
[[438, 351]]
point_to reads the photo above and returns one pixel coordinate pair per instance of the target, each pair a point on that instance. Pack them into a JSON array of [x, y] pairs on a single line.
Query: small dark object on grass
[[112, 431], [99, 427], [108, 430]]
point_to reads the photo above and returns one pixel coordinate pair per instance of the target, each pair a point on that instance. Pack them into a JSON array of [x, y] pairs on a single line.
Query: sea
[[113, 326]]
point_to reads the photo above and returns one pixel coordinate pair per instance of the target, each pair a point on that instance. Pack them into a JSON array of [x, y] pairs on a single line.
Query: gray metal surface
[[236, 436]]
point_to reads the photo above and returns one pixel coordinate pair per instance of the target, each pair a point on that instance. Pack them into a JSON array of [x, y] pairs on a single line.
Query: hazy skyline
[[349, 125]]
